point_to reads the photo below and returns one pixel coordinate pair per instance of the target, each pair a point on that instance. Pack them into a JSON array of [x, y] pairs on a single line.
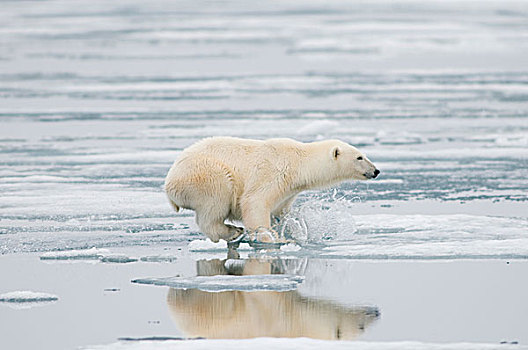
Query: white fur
[[250, 180]]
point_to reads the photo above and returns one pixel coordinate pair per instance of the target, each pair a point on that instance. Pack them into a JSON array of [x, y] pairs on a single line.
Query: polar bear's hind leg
[[205, 186], [211, 222], [212, 225]]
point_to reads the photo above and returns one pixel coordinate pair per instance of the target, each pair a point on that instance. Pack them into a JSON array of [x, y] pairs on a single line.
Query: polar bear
[[228, 178], [239, 314]]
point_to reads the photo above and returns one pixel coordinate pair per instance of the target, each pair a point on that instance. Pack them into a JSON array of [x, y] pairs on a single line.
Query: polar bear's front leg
[[256, 215], [284, 207]]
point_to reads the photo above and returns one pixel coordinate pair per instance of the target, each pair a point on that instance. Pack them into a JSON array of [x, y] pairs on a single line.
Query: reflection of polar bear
[[240, 179], [237, 314]]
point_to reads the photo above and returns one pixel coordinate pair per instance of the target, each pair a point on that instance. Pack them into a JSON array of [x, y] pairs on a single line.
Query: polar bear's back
[[230, 157], [234, 150], [223, 147], [241, 160]]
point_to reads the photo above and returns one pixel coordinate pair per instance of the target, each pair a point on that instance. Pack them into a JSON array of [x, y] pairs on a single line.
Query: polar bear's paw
[[236, 233], [266, 235]]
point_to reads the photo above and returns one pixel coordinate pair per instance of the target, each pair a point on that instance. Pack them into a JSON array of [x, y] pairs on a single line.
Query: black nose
[[376, 173]]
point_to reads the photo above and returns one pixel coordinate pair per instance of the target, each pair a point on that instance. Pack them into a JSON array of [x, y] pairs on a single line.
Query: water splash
[[322, 218]]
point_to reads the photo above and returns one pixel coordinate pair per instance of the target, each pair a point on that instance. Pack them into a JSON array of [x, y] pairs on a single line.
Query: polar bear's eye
[[336, 152], [360, 158]]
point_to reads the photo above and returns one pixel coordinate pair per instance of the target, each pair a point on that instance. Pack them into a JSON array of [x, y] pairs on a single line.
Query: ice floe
[[221, 283], [290, 247], [244, 247], [234, 264], [297, 343], [92, 254], [332, 230], [26, 299], [206, 245], [501, 249], [159, 258], [81, 254], [381, 236], [317, 127], [117, 258], [25, 296]]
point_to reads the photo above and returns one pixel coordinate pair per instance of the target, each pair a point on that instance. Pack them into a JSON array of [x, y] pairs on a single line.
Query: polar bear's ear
[[336, 151]]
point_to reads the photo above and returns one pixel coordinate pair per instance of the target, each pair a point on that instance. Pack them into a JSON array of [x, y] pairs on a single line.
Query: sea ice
[[290, 247], [117, 258], [234, 264], [102, 255], [317, 127], [81, 254], [159, 258], [382, 236], [297, 343], [26, 296], [221, 283], [27, 299], [434, 92], [200, 245], [244, 247]]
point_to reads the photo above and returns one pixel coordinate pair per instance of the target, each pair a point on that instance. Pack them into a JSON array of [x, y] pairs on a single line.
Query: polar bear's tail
[[169, 191], [174, 205]]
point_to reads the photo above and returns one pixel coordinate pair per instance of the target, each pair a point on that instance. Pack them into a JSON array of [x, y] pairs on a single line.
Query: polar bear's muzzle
[[372, 175]]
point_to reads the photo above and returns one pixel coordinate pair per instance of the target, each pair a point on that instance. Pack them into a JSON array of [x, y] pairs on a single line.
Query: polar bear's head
[[349, 163]]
